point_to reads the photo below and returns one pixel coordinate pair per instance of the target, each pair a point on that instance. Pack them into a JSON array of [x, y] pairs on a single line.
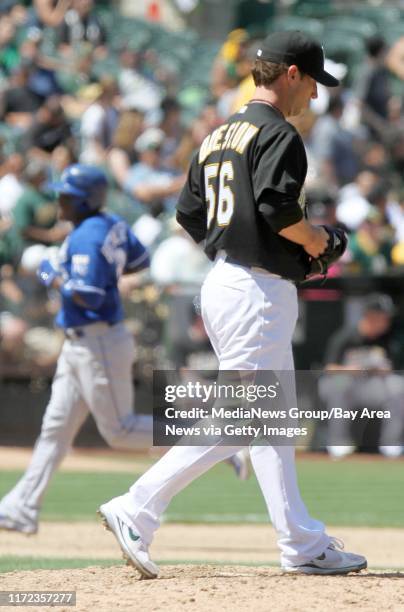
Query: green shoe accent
[[133, 536]]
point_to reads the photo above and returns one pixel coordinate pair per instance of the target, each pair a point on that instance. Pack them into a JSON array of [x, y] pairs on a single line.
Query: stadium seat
[[345, 49], [393, 32], [314, 9], [349, 26], [135, 33], [314, 27], [379, 15]]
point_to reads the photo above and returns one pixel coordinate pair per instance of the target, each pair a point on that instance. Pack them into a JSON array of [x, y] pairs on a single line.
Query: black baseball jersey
[[244, 185]]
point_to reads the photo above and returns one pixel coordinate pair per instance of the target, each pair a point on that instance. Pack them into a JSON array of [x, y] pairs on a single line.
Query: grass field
[[348, 493]]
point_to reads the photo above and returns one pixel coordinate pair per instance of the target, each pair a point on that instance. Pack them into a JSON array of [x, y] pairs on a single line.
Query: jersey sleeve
[[191, 206], [280, 167], [138, 256]]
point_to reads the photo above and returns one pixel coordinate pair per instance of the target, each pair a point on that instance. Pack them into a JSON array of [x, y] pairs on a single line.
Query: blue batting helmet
[[86, 185]]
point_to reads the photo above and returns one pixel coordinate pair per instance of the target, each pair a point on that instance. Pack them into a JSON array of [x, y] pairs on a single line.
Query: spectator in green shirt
[[35, 214], [370, 246], [9, 54]]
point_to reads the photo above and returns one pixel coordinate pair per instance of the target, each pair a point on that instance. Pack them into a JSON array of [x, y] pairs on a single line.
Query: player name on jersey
[[234, 136]]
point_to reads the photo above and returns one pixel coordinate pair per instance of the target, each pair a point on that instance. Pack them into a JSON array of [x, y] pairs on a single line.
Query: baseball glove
[[337, 243]]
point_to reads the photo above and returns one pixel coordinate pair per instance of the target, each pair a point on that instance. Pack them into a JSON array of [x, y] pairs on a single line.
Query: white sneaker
[[240, 463], [134, 549], [10, 524], [332, 561]]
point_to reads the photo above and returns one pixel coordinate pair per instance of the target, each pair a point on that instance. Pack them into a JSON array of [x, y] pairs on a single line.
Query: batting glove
[[46, 273]]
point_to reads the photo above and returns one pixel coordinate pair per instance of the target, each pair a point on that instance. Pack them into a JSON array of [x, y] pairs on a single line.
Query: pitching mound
[[225, 588]]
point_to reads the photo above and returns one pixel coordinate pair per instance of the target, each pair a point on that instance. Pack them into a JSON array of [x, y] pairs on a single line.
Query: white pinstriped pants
[[249, 317]]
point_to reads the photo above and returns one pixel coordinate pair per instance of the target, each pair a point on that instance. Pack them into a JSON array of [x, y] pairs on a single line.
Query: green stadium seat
[[108, 17], [314, 9], [252, 15], [397, 86], [313, 27], [347, 25], [135, 33], [379, 15], [393, 32], [346, 50]]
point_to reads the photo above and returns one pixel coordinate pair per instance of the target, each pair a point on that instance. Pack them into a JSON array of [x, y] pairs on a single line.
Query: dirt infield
[[203, 588]]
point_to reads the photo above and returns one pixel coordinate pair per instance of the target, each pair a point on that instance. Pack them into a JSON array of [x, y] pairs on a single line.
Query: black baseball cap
[[295, 47]]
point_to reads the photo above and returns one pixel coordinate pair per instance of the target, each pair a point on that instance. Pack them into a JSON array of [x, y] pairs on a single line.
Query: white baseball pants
[[94, 373], [250, 317]]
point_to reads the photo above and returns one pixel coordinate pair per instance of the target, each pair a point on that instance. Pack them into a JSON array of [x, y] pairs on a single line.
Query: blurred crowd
[[73, 89], [354, 137]]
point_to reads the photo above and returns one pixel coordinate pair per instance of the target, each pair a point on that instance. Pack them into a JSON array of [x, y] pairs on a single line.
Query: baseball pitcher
[[244, 201]]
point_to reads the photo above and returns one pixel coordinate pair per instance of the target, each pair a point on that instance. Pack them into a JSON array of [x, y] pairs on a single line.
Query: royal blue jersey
[[92, 259]]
